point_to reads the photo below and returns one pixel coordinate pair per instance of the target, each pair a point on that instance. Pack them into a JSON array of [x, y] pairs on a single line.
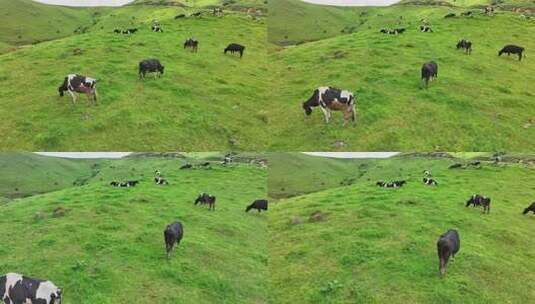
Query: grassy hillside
[[108, 246], [203, 101], [477, 103], [26, 174], [26, 21], [377, 245]]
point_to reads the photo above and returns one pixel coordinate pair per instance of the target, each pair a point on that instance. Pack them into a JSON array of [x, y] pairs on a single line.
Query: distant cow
[[427, 173], [466, 45], [512, 49], [206, 199], [455, 166], [157, 28], [18, 289], [425, 29], [235, 48], [530, 208], [448, 244], [124, 184], [259, 205], [430, 181], [477, 200], [450, 15], [173, 234], [332, 99], [196, 14], [75, 83], [191, 44], [466, 14], [180, 16], [489, 10], [160, 180], [117, 31], [129, 31], [429, 72], [150, 66], [393, 184]]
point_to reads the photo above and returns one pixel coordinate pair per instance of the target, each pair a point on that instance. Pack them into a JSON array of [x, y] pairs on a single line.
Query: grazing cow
[[477, 200], [425, 29], [227, 160], [172, 234], [259, 205], [191, 44], [129, 31], [450, 15], [332, 99], [180, 16], [430, 181], [384, 31], [206, 199], [114, 184], [75, 83], [530, 208], [512, 49], [489, 10], [157, 28], [150, 66], [466, 45], [393, 184], [233, 48], [124, 184], [186, 166], [117, 31], [429, 72], [448, 244], [160, 181], [18, 289]]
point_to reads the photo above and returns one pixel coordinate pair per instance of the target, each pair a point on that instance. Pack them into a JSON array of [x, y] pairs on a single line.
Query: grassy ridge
[[108, 247], [379, 245], [479, 102], [204, 101]]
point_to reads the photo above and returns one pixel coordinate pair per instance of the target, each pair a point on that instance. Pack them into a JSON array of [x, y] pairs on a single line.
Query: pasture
[[105, 244], [378, 245]]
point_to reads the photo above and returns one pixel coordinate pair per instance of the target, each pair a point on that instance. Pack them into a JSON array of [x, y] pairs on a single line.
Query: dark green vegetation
[[377, 245], [203, 101], [479, 102], [105, 244]]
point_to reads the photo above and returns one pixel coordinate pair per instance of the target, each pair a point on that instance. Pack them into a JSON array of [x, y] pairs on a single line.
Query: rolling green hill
[[480, 102], [105, 244], [377, 245], [204, 101]]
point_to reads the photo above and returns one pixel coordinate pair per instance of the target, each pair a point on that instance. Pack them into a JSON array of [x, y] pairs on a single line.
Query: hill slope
[[477, 103], [378, 245], [108, 246]]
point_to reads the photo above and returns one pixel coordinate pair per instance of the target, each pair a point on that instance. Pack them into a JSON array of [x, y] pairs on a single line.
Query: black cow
[[384, 31], [172, 234], [332, 99], [233, 48], [157, 28], [477, 200], [206, 199], [448, 244], [150, 66], [259, 205], [512, 49], [191, 44], [160, 181], [530, 208], [18, 289], [466, 45], [425, 28], [429, 72], [430, 181], [75, 83], [180, 16], [450, 15], [117, 31]]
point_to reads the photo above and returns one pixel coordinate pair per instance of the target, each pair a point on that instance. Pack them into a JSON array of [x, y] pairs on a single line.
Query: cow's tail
[[63, 87]]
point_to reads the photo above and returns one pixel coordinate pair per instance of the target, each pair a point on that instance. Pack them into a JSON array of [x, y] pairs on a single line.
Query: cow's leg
[[95, 96], [325, 114], [73, 95], [520, 57]]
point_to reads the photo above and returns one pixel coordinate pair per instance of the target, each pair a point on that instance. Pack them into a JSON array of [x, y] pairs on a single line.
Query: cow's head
[[56, 296], [161, 68], [307, 108]]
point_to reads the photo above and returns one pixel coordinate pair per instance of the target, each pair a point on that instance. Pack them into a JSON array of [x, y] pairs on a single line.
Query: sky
[[85, 154], [86, 2], [353, 154], [353, 2]]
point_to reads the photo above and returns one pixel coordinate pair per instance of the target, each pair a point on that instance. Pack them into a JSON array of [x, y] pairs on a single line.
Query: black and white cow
[[235, 48], [512, 49], [427, 173], [160, 181], [191, 44], [448, 244], [126, 184], [75, 83], [477, 200], [259, 205], [332, 99], [172, 234], [18, 289], [157, 28], [430, 181], [227, 160], [206, 199], [426, 29], [429, 72], [466, 45], [150, 66], [529, 208], [129, 31], [393, 184]]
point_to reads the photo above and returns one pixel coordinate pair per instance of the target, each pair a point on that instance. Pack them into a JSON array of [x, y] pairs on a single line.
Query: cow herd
[[449, 243], [331, 99]]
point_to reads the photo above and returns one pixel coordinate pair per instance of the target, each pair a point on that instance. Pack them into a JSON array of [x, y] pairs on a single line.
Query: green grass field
[[203, 101], [480, 102], [378, 245], [108, 246]]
